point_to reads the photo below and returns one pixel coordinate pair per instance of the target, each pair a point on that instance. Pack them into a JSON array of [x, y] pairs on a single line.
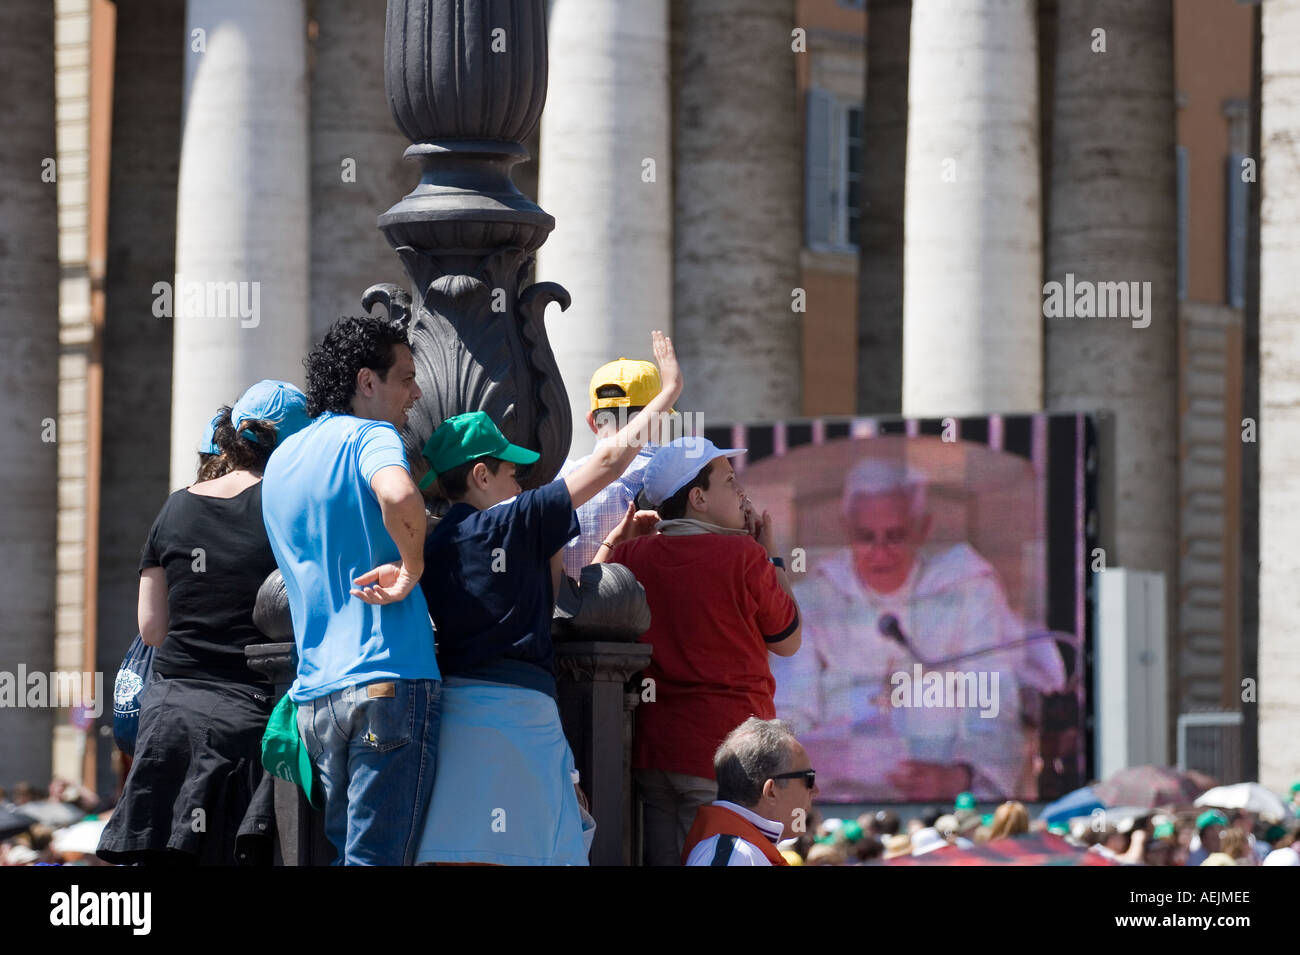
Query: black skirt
[[198, 767]]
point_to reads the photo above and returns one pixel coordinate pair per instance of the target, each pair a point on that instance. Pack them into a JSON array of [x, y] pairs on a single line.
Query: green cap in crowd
[[284, 755], [468, 437], [1211, 817]]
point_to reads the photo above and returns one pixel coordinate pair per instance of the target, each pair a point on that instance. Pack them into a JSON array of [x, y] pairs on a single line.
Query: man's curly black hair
[[350, 345]]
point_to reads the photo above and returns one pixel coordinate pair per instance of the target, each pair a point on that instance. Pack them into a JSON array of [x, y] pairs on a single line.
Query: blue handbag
[[132, 677]]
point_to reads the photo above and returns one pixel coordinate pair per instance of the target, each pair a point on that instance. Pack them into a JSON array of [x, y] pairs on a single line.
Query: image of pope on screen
[[915, 680]]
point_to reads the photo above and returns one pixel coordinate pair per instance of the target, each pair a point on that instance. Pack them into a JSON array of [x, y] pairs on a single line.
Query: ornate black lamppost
[[466, 81]]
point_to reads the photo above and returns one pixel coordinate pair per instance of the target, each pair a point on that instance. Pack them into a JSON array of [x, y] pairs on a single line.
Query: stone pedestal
[[597, 716]]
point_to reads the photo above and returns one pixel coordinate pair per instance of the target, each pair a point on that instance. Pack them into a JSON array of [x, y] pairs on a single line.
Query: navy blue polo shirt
[[487, 581]]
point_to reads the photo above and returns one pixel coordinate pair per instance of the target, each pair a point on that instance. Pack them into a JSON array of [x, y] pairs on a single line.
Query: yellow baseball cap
[[638, 380]]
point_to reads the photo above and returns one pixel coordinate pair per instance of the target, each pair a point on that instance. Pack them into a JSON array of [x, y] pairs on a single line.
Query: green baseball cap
[[468, 437], [1211, 817], [1164, 830], [965, 801], [284, 755]]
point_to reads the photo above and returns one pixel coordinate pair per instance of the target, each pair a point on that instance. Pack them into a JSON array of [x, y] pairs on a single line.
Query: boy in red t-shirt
[[719, 601]]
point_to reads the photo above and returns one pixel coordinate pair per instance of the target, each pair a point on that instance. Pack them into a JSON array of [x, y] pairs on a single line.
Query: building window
[[833, 173], [852, 173]]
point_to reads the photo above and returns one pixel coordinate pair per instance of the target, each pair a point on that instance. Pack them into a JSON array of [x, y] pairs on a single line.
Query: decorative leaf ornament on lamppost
[[466, 82]]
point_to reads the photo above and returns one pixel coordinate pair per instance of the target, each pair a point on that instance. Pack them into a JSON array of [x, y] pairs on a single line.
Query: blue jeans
[[375, 747]]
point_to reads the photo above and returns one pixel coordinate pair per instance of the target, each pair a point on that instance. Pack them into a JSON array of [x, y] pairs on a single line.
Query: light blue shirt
[[326, 528]]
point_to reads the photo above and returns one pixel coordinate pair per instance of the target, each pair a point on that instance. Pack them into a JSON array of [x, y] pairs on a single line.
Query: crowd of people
[[35, 823], [424, 702], [422, 720], [1185, 837]]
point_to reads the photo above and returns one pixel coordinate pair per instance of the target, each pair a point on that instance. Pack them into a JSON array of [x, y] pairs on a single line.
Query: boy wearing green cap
[[504, 792]]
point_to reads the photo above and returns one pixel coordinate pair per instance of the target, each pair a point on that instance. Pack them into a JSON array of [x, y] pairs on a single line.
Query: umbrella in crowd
[[1121, 818], [1151, 786], [12, 822], [1030, 848], [1081, 802], [1251, 797], [81, 838], [50, 812]]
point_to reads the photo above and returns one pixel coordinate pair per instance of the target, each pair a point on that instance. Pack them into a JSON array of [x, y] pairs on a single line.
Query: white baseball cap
[[927, 840], [676, 464]]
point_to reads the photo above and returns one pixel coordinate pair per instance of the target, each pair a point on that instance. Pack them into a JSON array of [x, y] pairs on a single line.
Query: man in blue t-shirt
[[505, 792], [346, 524]]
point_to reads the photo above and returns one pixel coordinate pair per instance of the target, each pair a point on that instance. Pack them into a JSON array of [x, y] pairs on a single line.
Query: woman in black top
[[198, 751]]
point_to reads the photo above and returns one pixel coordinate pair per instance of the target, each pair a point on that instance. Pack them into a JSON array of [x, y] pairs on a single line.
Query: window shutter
[[818, 210]]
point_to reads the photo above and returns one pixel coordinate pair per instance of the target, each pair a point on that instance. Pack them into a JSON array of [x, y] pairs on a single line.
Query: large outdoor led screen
[[941, 568]]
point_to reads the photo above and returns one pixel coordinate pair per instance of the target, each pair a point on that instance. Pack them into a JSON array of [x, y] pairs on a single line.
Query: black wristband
[[777, 562]]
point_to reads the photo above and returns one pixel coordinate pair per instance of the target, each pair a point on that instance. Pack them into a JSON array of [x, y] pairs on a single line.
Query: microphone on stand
[[889, 627]]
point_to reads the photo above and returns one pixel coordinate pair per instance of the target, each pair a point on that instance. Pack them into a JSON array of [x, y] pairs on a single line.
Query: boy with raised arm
[[505, 792]]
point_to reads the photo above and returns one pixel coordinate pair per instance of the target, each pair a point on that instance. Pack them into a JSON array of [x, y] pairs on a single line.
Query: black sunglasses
[[809, 776]]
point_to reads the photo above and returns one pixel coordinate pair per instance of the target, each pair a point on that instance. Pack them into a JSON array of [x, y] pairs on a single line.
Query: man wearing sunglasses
[[766, 786]]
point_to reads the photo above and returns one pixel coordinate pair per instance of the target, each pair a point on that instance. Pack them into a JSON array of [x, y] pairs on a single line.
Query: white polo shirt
[[743, 852]]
